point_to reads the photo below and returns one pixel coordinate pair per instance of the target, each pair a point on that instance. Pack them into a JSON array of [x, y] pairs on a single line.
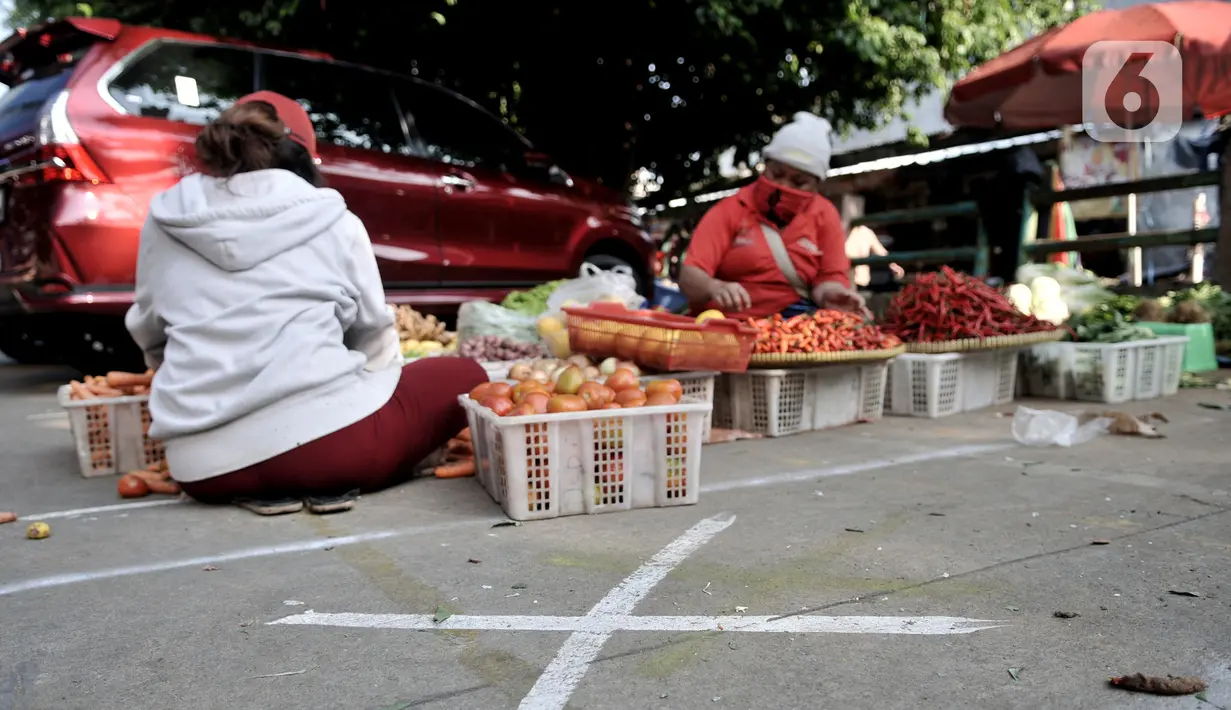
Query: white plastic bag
[[585, 290], [1043, 427], [478, 318]]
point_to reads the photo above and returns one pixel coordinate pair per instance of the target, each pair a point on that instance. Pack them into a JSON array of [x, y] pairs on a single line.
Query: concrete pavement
[[901, 520]]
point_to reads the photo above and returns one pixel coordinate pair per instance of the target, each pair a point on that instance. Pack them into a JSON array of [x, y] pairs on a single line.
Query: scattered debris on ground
[[722, 436], [1171, 685], [1125, 424], [1183, 593], [1014, 673], [1100, 541], [854, 530], [442, 614], [38, 531], [1065, 614]]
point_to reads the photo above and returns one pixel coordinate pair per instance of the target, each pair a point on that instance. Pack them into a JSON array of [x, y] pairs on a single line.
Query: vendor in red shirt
[[776, 246]]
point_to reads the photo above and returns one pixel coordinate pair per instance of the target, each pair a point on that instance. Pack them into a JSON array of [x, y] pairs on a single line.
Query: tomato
[[612, 405], [499, 405], [129, 486], [671, 387], [595, 395], [660, 399], [622, 379], [480, 391], [537, 400], [566, 403], [521, 410], [500, 389], [631, 397]]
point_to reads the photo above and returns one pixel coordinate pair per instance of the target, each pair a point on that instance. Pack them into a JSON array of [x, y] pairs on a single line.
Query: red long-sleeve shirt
[[728, 245]]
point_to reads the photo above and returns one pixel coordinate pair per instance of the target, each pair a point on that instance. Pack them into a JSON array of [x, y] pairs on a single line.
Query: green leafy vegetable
[[532, 302], [1108, 323]]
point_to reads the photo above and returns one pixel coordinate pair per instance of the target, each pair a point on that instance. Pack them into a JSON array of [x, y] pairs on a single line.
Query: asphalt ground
[[899, 564]]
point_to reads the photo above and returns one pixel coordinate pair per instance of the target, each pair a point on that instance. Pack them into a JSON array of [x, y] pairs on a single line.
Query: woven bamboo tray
[[995, 343], [783, 360]]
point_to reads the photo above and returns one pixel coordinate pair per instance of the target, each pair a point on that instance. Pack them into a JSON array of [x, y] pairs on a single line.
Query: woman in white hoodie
[[259, 305]]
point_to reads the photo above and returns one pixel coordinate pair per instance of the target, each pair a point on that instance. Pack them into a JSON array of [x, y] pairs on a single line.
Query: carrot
[[463, 435], [461, 469], [80, 391], [168, 487], [150, 477], [156, 467], [120, 380], [457, 446], [102, 390], [141, 390], [7, 518]]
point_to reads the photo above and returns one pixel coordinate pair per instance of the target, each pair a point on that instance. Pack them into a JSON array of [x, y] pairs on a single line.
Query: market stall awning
[[1039, 83]]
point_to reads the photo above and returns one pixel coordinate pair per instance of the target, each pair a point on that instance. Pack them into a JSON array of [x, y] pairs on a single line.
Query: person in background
[[278, 377], [776, 246], [861, 243]]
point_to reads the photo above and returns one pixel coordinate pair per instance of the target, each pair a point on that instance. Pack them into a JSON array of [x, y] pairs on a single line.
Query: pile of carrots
[[114, 384], [459, 461], [154, 479], [820, 332]]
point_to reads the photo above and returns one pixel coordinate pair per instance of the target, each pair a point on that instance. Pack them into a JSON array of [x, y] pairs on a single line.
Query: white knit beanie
[[803, 144]]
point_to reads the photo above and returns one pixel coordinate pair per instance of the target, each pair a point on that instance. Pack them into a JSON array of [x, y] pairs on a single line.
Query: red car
[[101, 116]]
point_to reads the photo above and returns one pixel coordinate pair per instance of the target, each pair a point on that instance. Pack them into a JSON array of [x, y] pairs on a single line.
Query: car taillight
[[60, 163], [60, 157]]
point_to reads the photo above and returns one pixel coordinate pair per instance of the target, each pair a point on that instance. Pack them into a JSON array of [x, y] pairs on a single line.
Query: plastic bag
[[1044, 427], [584, 290], [478, 318]]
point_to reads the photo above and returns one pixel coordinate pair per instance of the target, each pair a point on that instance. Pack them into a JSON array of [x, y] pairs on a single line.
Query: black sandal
[[324, 505], [275, 506]]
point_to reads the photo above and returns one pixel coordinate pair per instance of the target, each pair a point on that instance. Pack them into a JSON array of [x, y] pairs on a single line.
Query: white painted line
[[61, 580], [116, 508], [802, 624], [554, 687], [43, 416], [848, 469]]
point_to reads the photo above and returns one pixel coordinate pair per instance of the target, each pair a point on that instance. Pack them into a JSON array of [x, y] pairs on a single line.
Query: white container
[[549, 465], [932, 386], [925, 385], [110, 433], [785, 402], [1104, 372], [697, 385]]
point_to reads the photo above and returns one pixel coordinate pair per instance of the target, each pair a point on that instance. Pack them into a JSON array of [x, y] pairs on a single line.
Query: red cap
[[298, 125]]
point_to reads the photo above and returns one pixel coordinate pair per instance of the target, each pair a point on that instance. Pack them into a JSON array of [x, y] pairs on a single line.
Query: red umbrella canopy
[[1126, 79]]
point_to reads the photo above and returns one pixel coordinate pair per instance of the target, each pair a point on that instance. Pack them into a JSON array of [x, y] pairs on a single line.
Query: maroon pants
[[373, 453]]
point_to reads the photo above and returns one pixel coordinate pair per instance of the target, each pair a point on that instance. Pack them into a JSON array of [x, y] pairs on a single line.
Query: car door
[[366, 155], [502, 222]]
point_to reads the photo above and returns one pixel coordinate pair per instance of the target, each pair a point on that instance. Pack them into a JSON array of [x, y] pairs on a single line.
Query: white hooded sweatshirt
[[259, 303]]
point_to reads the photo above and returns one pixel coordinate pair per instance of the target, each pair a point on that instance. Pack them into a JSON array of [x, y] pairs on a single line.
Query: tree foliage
[[610, 86]]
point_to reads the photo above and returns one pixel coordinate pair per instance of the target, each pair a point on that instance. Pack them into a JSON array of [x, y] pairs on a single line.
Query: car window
[[184, 82], [457, 132], [349, 107]]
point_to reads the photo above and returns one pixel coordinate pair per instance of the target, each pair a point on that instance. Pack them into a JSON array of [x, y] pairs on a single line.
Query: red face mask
[[779, 201]]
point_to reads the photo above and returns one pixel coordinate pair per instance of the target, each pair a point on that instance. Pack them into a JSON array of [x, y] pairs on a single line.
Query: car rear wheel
[[101, 345], [23, 341]]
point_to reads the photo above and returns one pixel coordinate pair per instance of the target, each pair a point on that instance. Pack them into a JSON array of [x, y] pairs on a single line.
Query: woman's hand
[[730, 297], [837, 297]]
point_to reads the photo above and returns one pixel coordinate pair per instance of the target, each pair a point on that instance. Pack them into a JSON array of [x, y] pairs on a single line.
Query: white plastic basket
[[110, 434], [1105, 372], [925, 385], [697, 385], [932, 386], [549, 465], [785, 402]]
